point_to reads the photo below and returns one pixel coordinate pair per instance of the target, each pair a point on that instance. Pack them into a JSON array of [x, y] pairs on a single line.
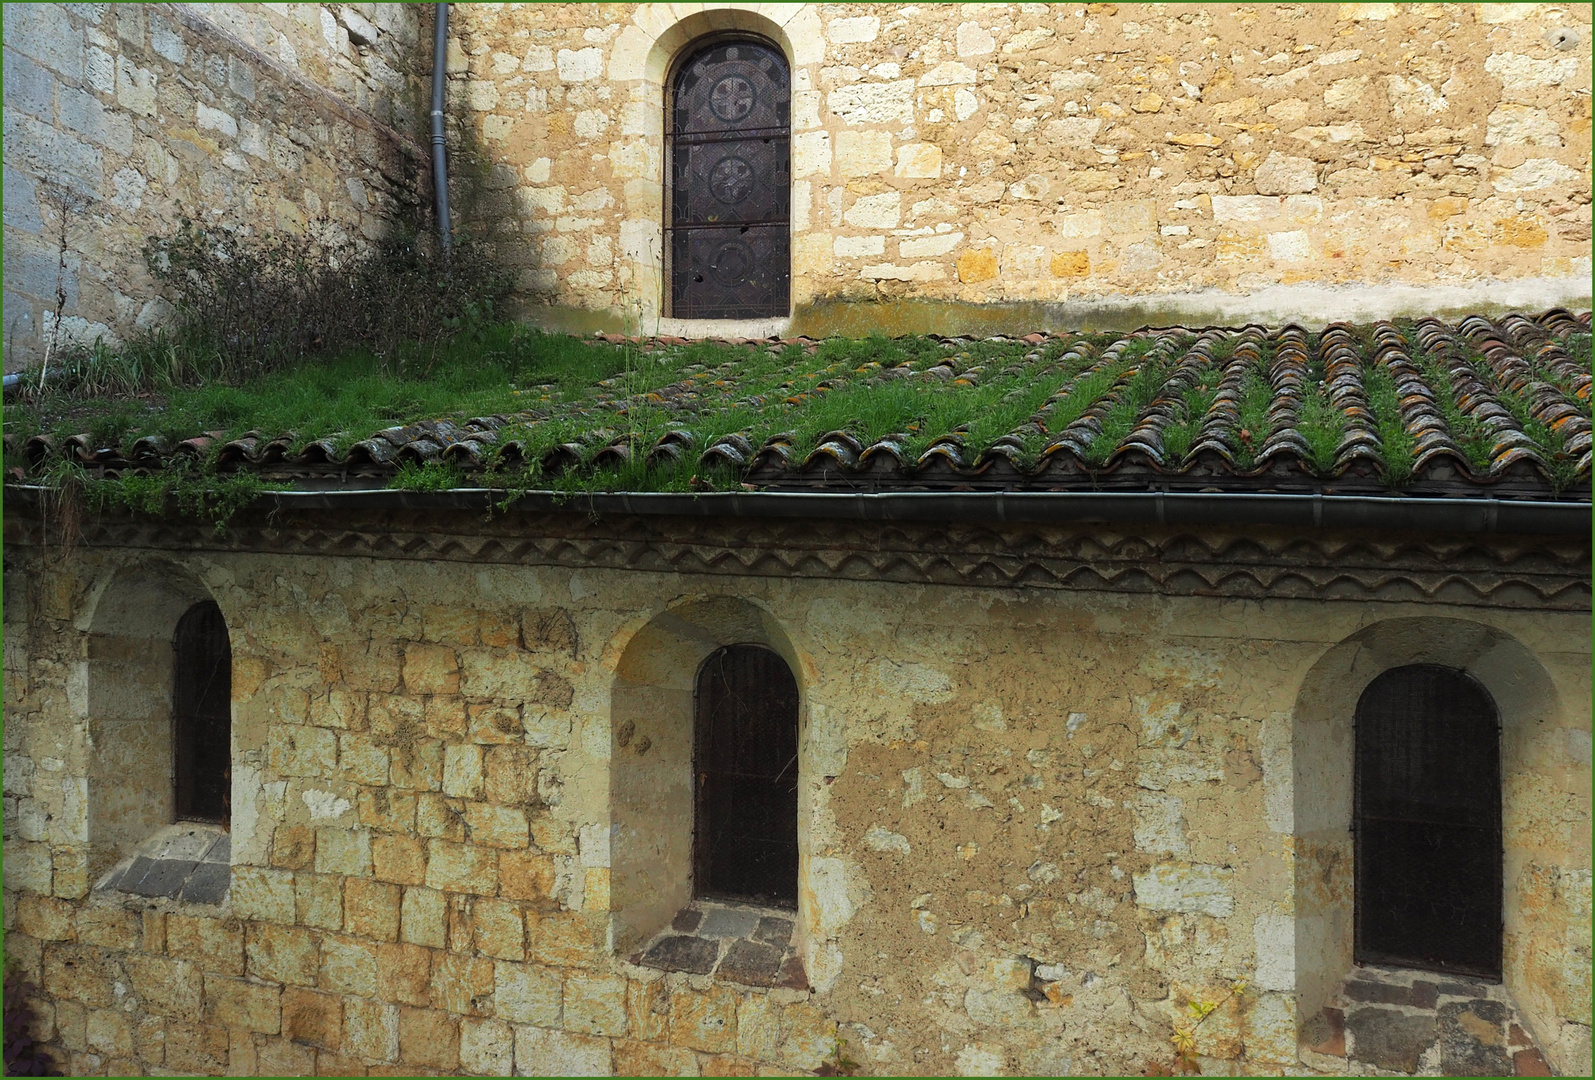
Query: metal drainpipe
[[440, 168]]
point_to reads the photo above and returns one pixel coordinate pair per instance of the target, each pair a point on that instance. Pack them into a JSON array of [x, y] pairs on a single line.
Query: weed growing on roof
[[1189, 413], [1322, 427], [1468, 433], [1255, 398], [1395, 444], [1130, 401], [431, 476]]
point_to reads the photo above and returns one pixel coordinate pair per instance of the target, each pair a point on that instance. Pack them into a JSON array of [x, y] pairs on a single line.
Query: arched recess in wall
[[651, 764], [129, 681], [1532, 722], [643, 59]]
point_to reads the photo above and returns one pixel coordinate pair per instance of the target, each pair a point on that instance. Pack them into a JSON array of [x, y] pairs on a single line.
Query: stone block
[[236, 1003], [343, 851], [396, 720], [312, 1017], [462, 984], [285, 954], [45, 918], [648, 1010], [509, 774], [497, 929], [1071, 264], [200, 1049], [863, 153], [462, 771], [439, 816], [875, 211], [596, 1005], [295, 750], [977, 265], [561, 938], [417, 766], [487, 1047], [463, 868], [45, 33], [343, 709], [29, 87], [423, 917], [429, 1039], [399, 859], [634, 1058], [497, 673], [361, 760], [449, 624], [494, 724], [371, 909], [109, 1032], [431, 669], [165, 987], [109, 928], [215, 944], [527, 994], [809, 1038], [1195, 888], [77, 973], [371, 1029], [293, 847], [348, 966], [318, 901], [496, 826], [280, 1057], [539, 1052], [404, 974], [704, 1020], [370, 666]]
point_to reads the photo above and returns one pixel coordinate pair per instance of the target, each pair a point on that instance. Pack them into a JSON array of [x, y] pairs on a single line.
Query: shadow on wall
[[651, 763], [1534, 733]]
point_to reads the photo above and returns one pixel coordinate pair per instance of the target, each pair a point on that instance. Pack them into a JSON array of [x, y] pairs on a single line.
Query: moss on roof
[[1415, 405]]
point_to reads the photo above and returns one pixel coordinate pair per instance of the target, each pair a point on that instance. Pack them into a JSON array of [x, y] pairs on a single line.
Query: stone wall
[[1034, 822], [128, 116], [1064, 163]]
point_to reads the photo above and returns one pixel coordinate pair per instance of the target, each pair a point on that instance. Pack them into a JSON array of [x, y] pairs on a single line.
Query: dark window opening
[[202, 709], [1428, 823], [745, 764], [729, 135]]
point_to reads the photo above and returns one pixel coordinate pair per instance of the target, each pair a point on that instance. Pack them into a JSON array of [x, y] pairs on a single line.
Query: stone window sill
[[738, 943], [189, 862]]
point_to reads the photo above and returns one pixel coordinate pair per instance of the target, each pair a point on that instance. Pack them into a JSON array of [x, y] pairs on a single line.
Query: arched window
[[1428, 823], [202, 697], [746, 778], [729, 128]]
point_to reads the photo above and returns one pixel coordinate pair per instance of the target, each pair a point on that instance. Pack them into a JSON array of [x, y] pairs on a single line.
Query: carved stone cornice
[[1523, 572]]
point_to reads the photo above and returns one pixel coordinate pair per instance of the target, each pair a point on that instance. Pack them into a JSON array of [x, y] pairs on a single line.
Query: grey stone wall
[[120, 118]]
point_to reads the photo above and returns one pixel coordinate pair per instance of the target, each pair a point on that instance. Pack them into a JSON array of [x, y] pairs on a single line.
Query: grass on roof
[[560, 389]]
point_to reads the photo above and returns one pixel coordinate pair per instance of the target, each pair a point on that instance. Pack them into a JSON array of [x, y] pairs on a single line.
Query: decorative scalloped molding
[[1535, 573]]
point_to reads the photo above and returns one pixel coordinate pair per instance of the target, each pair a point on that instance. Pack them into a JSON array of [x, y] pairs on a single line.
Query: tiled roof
[[1424, 406]]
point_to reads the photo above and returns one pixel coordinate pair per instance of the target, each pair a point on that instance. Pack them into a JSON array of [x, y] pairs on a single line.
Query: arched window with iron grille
[[745, 769], [202, 699], [729, 133], [1428, 823]]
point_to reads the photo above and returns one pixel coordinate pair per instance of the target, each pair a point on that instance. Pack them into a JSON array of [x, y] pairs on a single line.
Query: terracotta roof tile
[[1518, 405]]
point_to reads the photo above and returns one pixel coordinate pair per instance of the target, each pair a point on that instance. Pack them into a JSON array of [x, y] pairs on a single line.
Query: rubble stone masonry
[[1194, 161], [999, 166], [1034, 823], [130, 116]]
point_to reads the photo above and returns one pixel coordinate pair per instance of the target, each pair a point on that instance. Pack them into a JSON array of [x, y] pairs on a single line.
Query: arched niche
[[1532, 721], [129, 681], [651, 780]]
